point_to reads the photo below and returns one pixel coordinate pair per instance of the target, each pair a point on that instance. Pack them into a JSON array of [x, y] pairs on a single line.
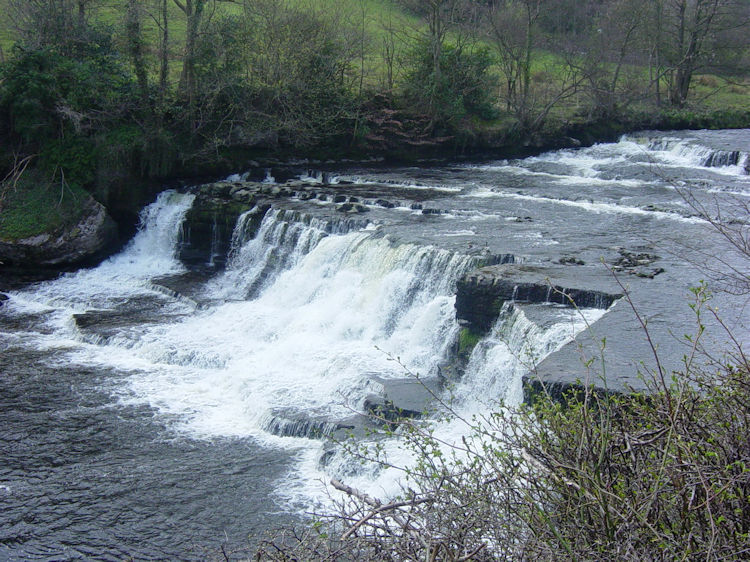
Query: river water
[[147, 423]]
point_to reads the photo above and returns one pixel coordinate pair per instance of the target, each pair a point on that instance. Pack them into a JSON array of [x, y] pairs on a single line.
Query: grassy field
[[375, 17]]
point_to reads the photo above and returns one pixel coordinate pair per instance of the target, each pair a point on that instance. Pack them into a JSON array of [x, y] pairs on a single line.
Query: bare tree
[[514, 32], [613, 54], [691, 35]]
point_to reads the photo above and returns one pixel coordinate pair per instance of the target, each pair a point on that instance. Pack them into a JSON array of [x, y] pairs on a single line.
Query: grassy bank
[[36, 206]]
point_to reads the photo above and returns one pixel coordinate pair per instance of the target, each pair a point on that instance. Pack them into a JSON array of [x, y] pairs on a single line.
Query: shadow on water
[[83, 477]]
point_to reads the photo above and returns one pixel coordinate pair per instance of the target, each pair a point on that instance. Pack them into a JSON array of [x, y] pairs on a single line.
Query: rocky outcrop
[[90, 238], [207, 230], [480, 295]]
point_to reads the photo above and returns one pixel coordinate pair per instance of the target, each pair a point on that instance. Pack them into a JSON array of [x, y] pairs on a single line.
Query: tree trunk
[[164, 51], [81, 13], [193, 10], [135, 46]]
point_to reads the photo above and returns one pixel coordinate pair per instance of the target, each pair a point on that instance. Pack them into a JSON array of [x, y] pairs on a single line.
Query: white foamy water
[[493, 379], [331, 309], [151, 253], [591, 206]]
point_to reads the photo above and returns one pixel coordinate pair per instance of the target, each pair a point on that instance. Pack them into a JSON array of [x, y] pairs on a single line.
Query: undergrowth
[[35, 206]]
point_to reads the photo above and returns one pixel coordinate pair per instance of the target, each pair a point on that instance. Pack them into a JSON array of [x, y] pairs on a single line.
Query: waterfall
[[514, 347], [152, 252], [283, 238], [686, 152], [327, 309]]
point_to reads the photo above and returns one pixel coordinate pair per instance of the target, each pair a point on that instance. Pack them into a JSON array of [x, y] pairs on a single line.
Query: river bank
[[43, 254]]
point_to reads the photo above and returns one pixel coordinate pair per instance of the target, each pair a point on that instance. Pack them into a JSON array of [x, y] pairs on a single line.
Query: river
[[143, 422]]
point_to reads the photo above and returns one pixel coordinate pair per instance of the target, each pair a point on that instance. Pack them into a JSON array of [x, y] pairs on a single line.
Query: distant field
[[375, 16]]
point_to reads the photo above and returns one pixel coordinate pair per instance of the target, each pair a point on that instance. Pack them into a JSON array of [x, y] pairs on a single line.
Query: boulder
[[89, 239]]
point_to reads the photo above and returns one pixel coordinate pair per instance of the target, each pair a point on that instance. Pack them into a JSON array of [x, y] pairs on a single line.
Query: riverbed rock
[[207, 231], [89, 239], [398, 398], [480, 295], [3, 298]]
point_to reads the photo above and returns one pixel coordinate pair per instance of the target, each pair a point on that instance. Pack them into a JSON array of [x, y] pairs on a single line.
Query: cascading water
[[513, 348], [138, 422], [682, 151], [151, 253], [283, 238], [309, 340]]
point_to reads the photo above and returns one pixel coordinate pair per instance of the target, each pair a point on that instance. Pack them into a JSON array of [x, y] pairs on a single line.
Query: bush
[[462, 88], [663, 475]]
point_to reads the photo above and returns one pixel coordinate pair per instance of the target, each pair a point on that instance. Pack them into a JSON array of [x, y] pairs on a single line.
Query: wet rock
[[3, 298], [352, 208], [416, 207], [286, 423], [570, 260], [92, 236], [244, 196], [402, 398], [722, 158], [384, 203], [339, 199], [207, 231], [481, 294], [431, 211], [636, 263]]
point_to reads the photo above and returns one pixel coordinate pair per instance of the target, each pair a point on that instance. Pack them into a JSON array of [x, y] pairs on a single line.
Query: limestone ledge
[[480, 295]]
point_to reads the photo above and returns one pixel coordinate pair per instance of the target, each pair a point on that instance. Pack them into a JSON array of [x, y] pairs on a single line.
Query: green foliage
[[73, 159], [55, 105], [462, 86], [38, 206], [467, 341], [47, 95]]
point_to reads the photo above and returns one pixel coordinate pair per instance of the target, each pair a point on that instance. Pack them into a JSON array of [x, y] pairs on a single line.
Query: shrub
[[597, 476]]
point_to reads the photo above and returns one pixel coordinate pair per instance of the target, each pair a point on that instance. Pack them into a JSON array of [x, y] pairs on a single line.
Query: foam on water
[[152, 252], [592, 206]]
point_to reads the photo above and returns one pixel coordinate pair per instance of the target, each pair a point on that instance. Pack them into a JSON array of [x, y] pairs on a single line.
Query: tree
[[62, 24], [135, 45], [613, 44], [441, 17], [195, 11], [514, 30], [692, 34]]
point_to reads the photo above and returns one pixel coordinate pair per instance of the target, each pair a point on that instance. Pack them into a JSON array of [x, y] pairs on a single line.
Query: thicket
[[658, 475]]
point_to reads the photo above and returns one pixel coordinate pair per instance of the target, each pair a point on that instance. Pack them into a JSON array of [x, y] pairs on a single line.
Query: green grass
[[373, 15], [36, 206]]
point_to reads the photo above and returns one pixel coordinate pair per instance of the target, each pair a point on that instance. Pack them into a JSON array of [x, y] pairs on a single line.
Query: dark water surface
[[82, 477], [152, 423]]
